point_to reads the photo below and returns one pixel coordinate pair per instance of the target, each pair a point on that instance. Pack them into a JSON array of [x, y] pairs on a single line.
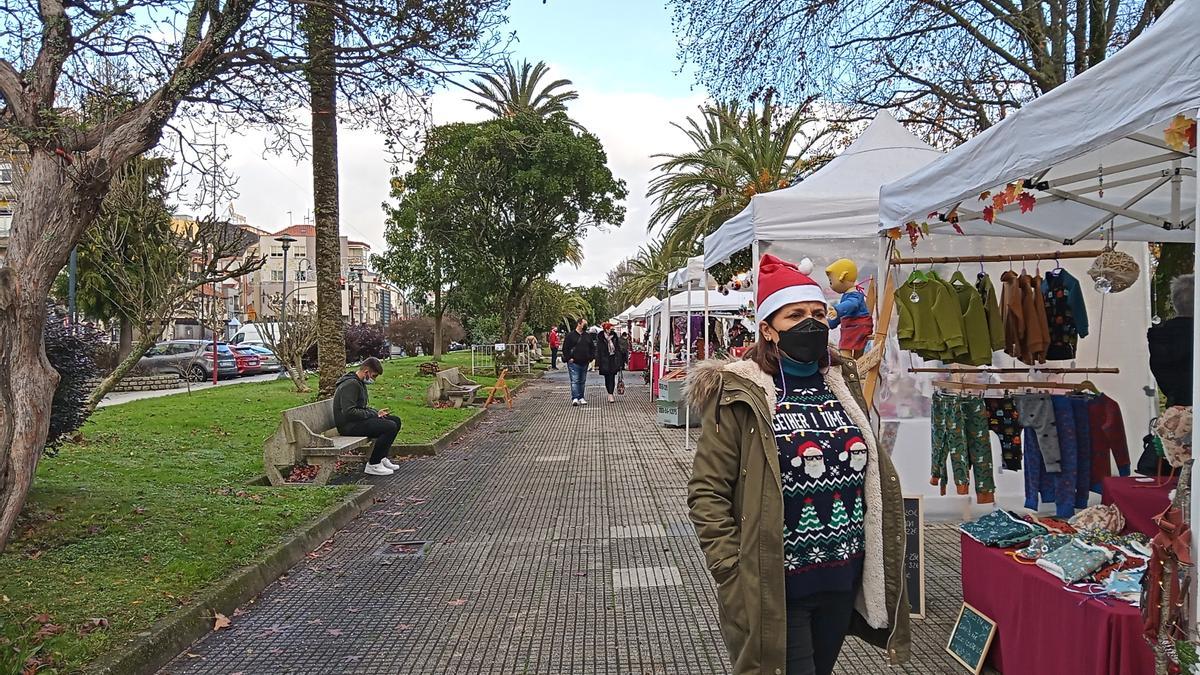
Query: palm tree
[[646, 271], [736, 155], [516, 93]]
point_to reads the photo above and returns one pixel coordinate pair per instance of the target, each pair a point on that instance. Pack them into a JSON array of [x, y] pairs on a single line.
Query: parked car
[[190, 359], [267, 359], [255, 333], [457, 346], [248, 361]]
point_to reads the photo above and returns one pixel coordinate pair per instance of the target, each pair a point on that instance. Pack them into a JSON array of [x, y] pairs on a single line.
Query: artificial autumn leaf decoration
[[989, 214], [914, 233], [999, 201], [1180, 134], [894, 234], [1027, 202], [985, 195]]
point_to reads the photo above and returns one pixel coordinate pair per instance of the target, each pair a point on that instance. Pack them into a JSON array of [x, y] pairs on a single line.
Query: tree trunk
[[322, 83], [128, 362], [439, 313], [125, 341], [50, 218]]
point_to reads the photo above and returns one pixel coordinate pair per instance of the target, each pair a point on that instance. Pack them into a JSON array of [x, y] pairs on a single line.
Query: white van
[[255, 333]]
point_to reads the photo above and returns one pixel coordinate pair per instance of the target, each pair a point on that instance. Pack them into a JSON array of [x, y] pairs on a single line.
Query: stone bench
[[307, 435], [451, 386]]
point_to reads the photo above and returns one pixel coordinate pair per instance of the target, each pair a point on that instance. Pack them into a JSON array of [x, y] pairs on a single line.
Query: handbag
[[621, 383]]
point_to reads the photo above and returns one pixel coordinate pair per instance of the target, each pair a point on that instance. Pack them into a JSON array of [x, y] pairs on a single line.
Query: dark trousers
[[610, 383], [816, 628], [382, 429], [554, 358]]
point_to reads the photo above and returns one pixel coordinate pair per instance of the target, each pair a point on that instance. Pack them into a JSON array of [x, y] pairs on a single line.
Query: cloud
[[632, 127]]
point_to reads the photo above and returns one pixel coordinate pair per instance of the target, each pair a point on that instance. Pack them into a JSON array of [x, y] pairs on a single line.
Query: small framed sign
[[971, 638], [914, 554]]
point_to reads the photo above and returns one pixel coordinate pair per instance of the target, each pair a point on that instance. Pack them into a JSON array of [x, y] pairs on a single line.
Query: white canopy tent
[[625, 314], [685, 302], [642, 309], [1093, 152], [840, 201]]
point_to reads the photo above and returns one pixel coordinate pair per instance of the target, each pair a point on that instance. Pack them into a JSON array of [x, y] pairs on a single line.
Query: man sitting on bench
[[355, 418]]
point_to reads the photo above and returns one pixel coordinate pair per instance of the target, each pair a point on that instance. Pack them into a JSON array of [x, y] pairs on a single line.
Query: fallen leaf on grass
[[238, 612], [41, 618], [48, 630], [93, 624], [220, 621], [459, 602], [190, 655]]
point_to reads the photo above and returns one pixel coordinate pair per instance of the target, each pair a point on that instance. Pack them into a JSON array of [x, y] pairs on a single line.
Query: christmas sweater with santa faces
[[822, 462]]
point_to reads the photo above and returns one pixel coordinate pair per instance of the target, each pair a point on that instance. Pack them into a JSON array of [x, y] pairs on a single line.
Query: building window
[[5, 223], [6, 173], [276, 275], [301, 275]]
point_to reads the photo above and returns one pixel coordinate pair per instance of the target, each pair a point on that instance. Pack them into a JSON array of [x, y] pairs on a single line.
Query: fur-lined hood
[[706, 380]]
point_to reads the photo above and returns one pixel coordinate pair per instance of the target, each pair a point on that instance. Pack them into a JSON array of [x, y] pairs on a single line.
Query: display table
[[1042, 627], [638, 361], [1138, 502]]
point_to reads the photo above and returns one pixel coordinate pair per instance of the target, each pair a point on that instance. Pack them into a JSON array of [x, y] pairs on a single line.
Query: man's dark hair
[[373, 364]]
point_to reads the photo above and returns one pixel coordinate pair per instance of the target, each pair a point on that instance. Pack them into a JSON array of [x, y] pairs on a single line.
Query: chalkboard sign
[[914, 555], [971, 638]]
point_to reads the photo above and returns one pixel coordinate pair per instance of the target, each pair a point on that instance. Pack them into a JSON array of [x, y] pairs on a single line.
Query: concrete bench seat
[[307, 434]]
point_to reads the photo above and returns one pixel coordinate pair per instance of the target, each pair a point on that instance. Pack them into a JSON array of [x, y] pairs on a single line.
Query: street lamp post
[[286, 242]]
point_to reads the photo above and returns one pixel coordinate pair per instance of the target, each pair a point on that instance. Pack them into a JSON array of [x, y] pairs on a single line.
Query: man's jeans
[[578, 375]]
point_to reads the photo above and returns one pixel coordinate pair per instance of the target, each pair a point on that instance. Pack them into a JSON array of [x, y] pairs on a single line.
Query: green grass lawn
[[152, 506]]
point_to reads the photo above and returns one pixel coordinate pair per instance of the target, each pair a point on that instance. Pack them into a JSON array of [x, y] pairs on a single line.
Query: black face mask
[[806, 342]]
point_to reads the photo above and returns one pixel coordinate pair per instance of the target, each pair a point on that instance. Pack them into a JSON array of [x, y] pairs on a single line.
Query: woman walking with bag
[[799, 515], [610, 357]]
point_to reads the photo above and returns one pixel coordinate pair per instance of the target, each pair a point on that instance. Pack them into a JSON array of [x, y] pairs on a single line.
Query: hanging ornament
[[1156, 319], [1114, 271], [914, 297]]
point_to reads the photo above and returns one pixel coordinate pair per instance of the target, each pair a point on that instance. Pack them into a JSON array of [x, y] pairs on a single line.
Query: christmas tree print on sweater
[[822, 461]]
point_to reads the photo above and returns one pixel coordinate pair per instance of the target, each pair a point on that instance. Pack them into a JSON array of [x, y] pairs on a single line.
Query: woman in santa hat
[[799, 515]]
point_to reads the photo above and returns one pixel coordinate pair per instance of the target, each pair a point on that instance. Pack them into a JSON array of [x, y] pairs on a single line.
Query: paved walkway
[[558, 542]]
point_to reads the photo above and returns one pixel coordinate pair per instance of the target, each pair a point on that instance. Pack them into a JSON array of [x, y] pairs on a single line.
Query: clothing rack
[[1031, 371], [981, 386], [1017, 257]]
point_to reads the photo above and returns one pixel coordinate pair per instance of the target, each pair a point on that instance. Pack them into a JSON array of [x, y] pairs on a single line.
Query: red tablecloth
[[638, 361], [1043, 628], [1139, 502]]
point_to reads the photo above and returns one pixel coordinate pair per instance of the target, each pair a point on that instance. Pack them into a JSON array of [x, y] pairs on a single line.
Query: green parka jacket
[[735, 498]]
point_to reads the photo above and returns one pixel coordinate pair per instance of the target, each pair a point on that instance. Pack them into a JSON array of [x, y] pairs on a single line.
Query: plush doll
[[852, 314]]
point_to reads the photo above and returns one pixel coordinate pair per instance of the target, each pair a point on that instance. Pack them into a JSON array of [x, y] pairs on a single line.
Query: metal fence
[[516, 357]]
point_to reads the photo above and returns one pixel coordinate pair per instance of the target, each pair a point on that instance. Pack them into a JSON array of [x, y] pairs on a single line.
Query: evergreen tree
[[808, 517], [838, 518]]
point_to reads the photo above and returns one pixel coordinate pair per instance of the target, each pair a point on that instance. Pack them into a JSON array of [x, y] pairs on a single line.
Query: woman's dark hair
[[766, 354]]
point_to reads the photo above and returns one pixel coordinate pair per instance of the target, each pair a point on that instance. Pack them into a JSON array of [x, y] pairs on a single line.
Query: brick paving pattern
[[556, 540]]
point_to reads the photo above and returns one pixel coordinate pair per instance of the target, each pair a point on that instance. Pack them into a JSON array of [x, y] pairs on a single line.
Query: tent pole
[[687, 360], [1194, 516], [707, 332]]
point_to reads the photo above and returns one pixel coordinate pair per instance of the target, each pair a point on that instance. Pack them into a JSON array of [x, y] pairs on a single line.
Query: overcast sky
[[620, 54]]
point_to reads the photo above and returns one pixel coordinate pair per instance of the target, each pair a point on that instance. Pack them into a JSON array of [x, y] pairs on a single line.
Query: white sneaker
[[583, 401], [387, 462], [377, 470], [575, 402]]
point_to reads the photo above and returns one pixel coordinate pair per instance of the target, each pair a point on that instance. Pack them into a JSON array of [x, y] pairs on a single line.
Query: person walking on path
[[354, 417], [555, 341], [798, 513], [610, 357], [578, 350]]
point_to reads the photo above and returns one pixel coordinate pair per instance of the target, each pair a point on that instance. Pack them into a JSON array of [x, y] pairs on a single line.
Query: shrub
[[409, 333], [73, 354], [364, 340]]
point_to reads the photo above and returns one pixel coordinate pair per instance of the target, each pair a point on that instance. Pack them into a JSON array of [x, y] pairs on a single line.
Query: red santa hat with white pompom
[[782, 283]]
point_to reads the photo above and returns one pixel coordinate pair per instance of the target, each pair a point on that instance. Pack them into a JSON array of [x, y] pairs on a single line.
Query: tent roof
[[717, 302], [624, 315], [1110, 118], [692, 272], [839, 201], [643, 308]]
